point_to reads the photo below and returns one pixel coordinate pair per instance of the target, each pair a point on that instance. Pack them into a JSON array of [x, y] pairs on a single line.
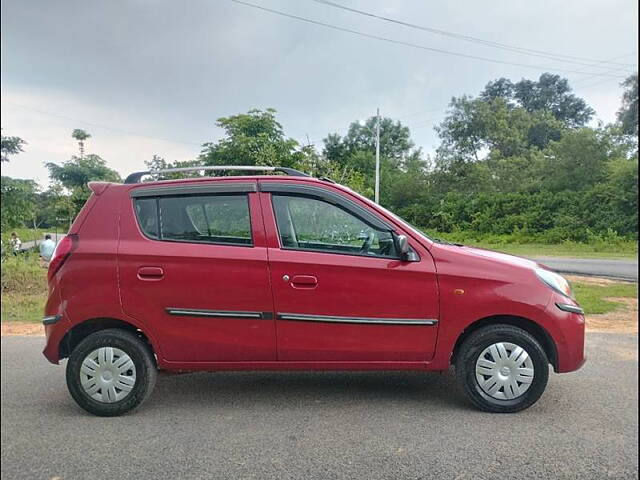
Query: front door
[[193, 267], [341, 292]]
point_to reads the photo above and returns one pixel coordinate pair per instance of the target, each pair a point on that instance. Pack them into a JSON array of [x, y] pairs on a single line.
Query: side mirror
[[404, 249]]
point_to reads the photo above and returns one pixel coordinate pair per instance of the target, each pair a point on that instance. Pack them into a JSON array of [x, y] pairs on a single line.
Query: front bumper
[[569, 334]]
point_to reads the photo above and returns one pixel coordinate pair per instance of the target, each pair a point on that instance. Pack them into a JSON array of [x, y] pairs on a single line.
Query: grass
[[592, 297], [24, 288], [576, 250], [23, 308], [613, 247]]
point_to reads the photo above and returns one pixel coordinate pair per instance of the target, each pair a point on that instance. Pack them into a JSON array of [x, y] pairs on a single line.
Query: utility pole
[[377, 188]]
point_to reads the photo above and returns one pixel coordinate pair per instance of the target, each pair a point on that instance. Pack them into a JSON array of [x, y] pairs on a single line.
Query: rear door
[[341, 292], [193, 267]]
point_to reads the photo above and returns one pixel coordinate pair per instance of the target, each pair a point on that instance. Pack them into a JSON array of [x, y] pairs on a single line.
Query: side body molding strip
[[192, 312], [363, 320]]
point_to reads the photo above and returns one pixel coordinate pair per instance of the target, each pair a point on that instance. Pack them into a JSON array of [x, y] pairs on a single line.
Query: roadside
[[610, 306], [564, 250]]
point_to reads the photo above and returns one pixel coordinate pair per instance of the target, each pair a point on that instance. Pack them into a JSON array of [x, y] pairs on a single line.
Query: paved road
[[618, 269], [56, 237], [322, 425]]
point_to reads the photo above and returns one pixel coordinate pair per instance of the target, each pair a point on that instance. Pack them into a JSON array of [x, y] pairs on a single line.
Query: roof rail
[[136, 177]]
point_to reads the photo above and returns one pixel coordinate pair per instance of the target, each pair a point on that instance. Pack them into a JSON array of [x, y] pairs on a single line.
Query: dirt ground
[[591, 280], [18, 328], [621, 320]]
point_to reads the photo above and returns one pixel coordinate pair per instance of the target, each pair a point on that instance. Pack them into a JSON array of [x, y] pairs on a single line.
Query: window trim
[[200, 193], [188, 190], [341, 207]]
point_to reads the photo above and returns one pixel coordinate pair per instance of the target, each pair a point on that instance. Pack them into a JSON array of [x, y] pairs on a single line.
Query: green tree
[[476, 128], [10, 146], [395, 143], [252, 138], [159, 163], [628, 113], [550, 93], [54, 207], [81, 136], [577, 161], [75, 174], [17, 200]]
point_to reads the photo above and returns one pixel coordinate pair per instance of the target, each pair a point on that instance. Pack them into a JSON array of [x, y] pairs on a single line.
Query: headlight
[[555, 281]]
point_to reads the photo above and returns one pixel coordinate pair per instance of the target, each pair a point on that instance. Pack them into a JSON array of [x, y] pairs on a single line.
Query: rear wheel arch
[[536, 330], [81, 330]]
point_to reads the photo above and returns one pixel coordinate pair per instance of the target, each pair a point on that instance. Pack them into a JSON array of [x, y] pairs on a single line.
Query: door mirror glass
[[404, 249]]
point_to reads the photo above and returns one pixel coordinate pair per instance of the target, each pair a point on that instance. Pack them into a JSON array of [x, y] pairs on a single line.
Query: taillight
[[63, 250]]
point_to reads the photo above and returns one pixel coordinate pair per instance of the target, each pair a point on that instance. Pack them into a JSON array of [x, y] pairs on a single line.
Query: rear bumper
[[54, 331]]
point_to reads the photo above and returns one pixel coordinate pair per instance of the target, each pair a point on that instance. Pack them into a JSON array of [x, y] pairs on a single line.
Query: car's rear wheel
[[111, 372], [502, 368]]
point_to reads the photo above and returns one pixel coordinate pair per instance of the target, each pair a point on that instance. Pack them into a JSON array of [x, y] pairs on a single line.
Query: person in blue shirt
[[46, 249]]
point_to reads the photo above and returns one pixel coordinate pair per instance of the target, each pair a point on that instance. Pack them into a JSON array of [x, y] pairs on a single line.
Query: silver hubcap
[[504, 371], [107, 374]]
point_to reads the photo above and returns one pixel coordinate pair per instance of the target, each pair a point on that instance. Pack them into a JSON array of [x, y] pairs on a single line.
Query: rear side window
[[147, 212], [218, 219]]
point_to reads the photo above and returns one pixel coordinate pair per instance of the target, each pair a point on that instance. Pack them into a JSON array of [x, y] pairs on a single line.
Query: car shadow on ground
[[250, 388]]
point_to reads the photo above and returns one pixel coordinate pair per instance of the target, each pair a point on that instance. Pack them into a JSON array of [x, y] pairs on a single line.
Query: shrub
[[23, 274]]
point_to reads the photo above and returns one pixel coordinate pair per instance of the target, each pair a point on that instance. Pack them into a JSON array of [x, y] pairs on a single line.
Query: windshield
[[415, 229]]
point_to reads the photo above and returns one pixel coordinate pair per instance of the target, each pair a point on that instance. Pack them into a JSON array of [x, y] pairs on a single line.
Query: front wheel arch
[[539, 333]]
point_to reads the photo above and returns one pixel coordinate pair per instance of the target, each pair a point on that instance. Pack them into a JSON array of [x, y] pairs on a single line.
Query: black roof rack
[[136, 177]]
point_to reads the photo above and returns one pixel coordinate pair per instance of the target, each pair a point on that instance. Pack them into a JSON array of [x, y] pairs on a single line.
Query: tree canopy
[[252, 138], [518, 159], [628, 113], [76, 173], [10, 146]]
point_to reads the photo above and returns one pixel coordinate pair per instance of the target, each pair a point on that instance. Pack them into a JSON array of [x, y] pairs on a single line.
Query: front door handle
[[304, 281], [150, 273]]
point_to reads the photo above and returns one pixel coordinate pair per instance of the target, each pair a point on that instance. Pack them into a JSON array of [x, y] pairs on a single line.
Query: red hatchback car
[[288, 272]]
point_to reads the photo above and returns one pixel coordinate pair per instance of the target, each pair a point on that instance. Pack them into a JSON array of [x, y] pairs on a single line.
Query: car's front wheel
[[111, 372], [502, 368]]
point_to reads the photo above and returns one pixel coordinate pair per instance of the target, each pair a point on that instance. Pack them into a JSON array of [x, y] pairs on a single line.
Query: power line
[[408, 44], [589, 85], [586, 77], [97, 125], [525, 51]]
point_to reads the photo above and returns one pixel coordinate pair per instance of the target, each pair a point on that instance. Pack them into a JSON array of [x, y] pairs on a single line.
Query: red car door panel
[[348, 307], [351, 295], [206, 302]]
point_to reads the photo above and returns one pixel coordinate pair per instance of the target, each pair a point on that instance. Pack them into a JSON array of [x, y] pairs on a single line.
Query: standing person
[[15, 243], [46, 250]]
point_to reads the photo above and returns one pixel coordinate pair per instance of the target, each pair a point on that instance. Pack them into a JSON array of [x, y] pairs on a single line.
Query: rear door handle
[[304, 281], [150, 273]]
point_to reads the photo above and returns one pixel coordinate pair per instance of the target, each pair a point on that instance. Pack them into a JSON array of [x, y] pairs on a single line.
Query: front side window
[[220, 219], [306, 223]]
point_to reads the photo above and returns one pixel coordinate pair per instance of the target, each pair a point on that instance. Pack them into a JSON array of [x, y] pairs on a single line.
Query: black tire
[[477, 342], [145, 369]]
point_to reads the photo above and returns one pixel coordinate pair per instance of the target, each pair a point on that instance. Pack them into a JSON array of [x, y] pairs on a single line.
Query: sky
[[150, 77]]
